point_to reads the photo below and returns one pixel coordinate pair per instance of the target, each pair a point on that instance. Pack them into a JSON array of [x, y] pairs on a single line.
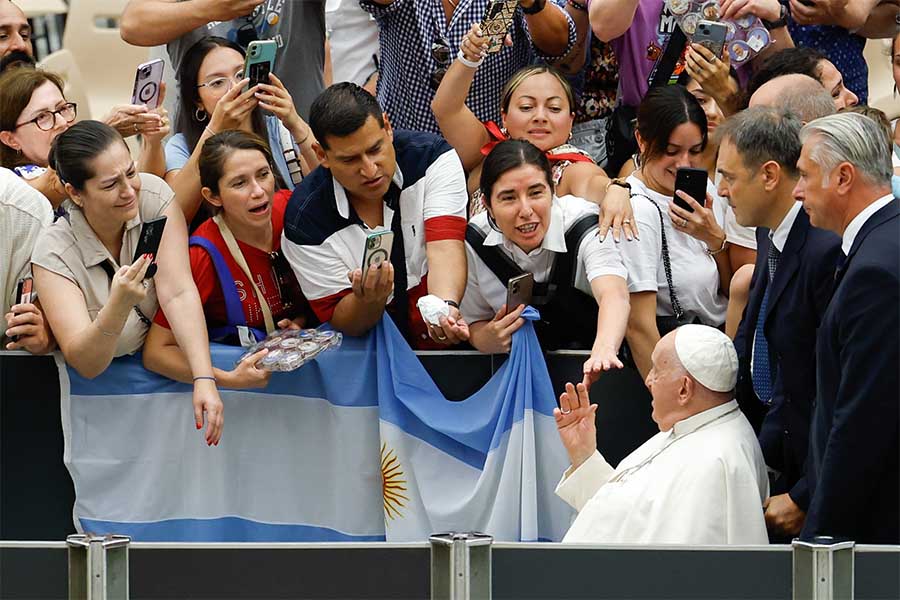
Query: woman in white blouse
[[527, 229], [679, 271]]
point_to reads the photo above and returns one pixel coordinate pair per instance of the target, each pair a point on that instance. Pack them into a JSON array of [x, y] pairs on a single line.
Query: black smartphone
[[518, 291], [151, 236], [692, 182], [24, 295], [711, 35]]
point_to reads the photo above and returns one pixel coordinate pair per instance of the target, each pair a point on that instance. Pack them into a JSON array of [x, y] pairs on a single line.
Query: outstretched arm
[[157, 22]]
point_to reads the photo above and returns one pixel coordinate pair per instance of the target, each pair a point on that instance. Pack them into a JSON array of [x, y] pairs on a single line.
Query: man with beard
[[15, 37]]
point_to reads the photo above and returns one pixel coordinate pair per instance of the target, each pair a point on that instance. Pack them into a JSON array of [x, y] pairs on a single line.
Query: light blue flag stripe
[[224, 529]]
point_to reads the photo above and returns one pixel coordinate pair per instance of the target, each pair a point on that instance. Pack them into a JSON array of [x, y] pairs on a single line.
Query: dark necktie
[[399, 307], [763, 375]]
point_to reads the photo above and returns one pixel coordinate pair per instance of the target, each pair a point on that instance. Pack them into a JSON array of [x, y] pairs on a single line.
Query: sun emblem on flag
[[392, 484]]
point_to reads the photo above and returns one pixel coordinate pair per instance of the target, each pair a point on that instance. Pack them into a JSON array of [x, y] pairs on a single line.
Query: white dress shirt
[[485, 294], [702, 482], [859, 220]]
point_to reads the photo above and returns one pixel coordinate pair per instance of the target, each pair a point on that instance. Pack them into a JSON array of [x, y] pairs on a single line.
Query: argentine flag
[[358, 445]]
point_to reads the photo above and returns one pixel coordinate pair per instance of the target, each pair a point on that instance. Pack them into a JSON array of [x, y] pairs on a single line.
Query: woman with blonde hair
[[537, 104]]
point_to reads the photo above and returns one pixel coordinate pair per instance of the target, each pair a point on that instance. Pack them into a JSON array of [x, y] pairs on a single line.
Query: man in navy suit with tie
[[854, 470], [791, 285]]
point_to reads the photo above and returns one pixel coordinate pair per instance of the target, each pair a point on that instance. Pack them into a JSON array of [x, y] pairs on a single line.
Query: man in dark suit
[[854, 471], [790, 289]]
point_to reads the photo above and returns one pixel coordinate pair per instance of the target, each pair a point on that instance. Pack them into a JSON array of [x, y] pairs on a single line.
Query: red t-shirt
[[282, 292]]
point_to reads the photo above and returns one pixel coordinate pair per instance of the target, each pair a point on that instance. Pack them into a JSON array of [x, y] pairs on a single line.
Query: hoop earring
[[200, 115]]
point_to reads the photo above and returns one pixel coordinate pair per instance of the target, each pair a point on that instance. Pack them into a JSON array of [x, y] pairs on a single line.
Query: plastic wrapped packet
[[290, 349], [433, 308], [746, 37]]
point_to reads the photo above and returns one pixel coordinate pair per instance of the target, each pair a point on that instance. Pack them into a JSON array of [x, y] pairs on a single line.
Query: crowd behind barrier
[[282, 201]]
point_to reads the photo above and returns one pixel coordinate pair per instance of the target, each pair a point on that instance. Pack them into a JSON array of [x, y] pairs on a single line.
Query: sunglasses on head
[[440, 52]]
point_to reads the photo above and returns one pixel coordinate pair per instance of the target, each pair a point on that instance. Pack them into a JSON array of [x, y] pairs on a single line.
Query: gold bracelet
[[720, 250]]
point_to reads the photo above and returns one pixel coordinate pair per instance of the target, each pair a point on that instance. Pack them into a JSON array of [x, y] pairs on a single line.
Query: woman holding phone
[[238, 179], [34, 111], [213, 100], [95, 294], [537, 104], [555, 240], [679, 270]]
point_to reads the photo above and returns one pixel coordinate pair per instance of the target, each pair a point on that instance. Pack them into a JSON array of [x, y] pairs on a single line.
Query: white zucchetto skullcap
[[708, 355]]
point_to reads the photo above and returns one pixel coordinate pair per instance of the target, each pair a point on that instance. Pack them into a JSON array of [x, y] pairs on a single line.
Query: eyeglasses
[[47, 119], [440, 52], [223, 84]]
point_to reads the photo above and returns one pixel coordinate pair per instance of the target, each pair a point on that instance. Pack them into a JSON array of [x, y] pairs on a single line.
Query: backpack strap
[[290, 154], [233, 310], [564, 270], [496, 260]]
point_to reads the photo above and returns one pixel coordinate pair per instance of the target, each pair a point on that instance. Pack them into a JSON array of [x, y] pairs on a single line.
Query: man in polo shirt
[[373, 179]]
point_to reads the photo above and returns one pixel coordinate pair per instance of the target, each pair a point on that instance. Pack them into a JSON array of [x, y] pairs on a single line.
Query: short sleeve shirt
[[485, 293], [71, 249], [695, 275], [282, 296], [24, 214], [324, 238], [409, 28], [178, 153], [298, 26]]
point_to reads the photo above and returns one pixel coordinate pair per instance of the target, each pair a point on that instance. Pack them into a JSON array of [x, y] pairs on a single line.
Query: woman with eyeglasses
[[537, 104], [579, 282], [246, 285], [97, 297], [213, 100], [34, 111]]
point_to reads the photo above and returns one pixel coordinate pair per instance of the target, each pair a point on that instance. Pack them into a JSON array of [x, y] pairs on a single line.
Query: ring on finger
[[565, 412], [684, 222], [626, 221], [136, 128], [145, 283]]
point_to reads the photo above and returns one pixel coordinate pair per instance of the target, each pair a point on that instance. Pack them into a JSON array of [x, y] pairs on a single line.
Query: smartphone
[[497, 21], [151, 236], [711, 35], [24, 295], [377, 250], [259, 61], [518, 291], [146, 83], [692, 182]]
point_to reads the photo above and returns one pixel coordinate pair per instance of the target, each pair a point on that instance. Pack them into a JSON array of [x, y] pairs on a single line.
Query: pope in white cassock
[[700, 480]]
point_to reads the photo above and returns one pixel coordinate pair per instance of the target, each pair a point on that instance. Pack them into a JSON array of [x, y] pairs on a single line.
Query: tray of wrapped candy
[[290, 349], [746, 37]]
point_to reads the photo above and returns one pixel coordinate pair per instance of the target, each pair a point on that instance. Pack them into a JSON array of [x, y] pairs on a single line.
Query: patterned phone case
[[497, 21]]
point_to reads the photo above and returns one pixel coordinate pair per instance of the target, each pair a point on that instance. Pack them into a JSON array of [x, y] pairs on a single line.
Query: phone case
[[497, 21], [151, 236], [711, 35], [377, 250], [693, 183], [518, 291], [147, 78], [259, 61]]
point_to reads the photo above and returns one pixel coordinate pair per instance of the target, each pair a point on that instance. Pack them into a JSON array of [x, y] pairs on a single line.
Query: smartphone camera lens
[[145, 72]]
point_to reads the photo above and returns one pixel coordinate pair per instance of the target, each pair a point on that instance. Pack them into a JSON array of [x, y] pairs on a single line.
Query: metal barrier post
[[460, 566], [823, 569], [98, 567]]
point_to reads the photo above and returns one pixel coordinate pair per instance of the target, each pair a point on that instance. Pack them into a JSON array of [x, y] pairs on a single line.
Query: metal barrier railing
[[452, 566]]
